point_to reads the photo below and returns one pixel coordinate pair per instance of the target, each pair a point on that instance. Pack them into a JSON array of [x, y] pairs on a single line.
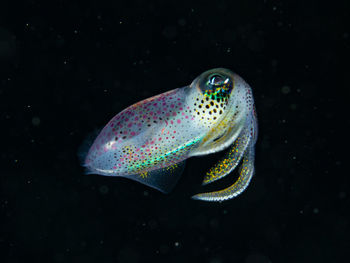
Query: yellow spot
[[144, 175]]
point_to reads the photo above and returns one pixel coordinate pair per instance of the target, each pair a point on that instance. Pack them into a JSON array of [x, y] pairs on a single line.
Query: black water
[[67, 67]]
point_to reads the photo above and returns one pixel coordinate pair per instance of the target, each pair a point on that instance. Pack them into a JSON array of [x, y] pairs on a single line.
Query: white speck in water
[[342, 195], [36, 121], [182, 22], [104, 189], [285, 89]]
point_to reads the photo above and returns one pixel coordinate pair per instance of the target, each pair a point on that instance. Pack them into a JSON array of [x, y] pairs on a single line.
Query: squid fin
[[163, 179]]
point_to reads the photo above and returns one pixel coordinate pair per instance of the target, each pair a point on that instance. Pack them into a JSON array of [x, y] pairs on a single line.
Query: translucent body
[[150, 140]]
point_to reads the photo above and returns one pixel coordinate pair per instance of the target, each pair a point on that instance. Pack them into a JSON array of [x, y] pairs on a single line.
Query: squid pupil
[[215, 80]]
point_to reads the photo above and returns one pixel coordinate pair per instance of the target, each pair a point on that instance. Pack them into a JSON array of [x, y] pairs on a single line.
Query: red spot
[[178, 121], [114, 167], [172, 106], [160, 138], [132, 133], [174, 131], [174, 113]]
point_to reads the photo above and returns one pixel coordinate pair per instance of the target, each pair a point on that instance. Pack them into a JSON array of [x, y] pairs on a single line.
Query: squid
[[149, 141]]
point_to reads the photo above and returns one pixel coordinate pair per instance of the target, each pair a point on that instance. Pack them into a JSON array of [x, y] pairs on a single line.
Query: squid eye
[[216, 80], [215, 84]]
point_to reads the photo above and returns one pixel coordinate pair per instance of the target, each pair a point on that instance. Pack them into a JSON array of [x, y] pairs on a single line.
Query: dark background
[[67, 67]]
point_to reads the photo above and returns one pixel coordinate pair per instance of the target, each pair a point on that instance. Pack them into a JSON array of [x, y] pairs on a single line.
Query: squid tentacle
[[245, 175], [230, 161]]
